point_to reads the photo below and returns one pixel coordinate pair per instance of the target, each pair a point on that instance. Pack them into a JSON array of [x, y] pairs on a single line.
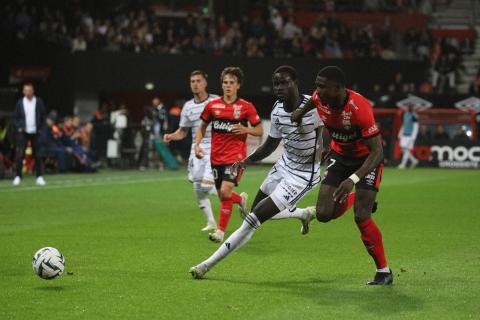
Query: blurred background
[[114, 74]]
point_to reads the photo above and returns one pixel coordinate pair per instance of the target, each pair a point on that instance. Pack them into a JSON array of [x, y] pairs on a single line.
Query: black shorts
[[340, 168], [223, 173]]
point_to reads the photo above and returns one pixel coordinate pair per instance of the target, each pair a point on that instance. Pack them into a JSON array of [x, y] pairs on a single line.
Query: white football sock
[[235, 241], [298, 213], [386, 269], [204, 203]]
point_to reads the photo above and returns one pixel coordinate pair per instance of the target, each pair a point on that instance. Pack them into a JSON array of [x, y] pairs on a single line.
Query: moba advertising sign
[[444, 154]]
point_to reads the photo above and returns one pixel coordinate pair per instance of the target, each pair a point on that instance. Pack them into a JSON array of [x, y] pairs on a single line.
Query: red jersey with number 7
[[349, 125], [228, 147]]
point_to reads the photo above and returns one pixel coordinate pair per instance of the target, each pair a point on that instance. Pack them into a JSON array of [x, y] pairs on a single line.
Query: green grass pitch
[[129, 239]]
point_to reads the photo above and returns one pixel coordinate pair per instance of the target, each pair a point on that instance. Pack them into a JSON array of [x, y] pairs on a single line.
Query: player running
[[199, 170], [295, 173], [356, 159], [229, 116]]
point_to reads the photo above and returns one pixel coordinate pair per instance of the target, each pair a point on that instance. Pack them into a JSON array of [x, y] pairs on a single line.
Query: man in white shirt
[[30, 121]]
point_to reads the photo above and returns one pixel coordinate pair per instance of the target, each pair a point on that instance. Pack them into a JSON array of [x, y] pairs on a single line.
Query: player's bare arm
[[198, 138], [374, 144], [260, 153], [179, 134], [256, 131], [298, 114], [319, 154]]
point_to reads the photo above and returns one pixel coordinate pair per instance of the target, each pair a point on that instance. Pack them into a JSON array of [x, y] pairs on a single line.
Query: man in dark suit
[[30, 121]]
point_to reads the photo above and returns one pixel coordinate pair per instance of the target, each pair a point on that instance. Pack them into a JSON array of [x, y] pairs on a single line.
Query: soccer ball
[[48, 263]]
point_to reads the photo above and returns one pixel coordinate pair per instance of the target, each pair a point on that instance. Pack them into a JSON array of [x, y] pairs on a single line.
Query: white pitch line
[[104, 183]]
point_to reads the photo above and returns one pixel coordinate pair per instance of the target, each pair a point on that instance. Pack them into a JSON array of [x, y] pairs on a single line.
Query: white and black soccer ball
[[48, 263]]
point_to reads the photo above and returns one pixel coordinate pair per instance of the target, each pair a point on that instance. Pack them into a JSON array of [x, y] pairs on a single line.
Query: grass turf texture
[[129, 239]]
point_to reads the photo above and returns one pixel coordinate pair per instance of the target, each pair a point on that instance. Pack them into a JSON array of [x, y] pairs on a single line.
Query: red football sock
[[236, 198], [372, 239], [344, 206], [225, 213]]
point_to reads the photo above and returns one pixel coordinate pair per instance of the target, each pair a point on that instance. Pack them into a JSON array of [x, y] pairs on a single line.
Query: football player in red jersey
[[355, 159], [230, 117]]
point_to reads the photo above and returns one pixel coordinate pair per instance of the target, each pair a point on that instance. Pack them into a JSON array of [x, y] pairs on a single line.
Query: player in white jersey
[[295, 173], [199, 170]]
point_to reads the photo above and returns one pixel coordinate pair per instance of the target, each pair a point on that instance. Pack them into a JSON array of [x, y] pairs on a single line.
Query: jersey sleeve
[[252, 115], [366, 121], [317, 122], [206, 113], [185, 122], [274, 132]]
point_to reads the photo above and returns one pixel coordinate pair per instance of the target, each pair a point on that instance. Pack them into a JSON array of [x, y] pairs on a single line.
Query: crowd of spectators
[[460, 134], [270, 32]]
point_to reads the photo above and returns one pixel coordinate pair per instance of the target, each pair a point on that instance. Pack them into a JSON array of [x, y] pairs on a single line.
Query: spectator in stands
[[398, 85], [424, 134], [440, 133], [54, 147], [30, 121], [179, 148], [425, 87], [100, 132], [276, 19], [460, 136], [289, 31], [160, 115], [475, 86], [146, 131]]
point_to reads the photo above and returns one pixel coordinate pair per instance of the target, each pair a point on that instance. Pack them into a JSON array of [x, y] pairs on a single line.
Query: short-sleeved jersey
[[190, 118], [349, 125], [299, 142], [227, 147]]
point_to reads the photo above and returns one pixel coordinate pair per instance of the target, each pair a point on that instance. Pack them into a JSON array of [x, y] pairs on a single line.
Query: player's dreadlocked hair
[[233, 71], [199, 73], [288, 70], [334, 74]]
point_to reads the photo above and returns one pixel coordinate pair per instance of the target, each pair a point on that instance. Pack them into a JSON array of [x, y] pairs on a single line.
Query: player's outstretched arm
[[260, 153], [298, 114], [198, 138], [374, 144], [179, 134]]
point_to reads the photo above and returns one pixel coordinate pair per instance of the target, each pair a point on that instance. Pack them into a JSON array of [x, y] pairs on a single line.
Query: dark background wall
[[106, 74]]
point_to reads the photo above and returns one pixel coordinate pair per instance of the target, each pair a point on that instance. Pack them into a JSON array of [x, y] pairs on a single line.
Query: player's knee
[[362, 217], [323, 213], [225, 194]]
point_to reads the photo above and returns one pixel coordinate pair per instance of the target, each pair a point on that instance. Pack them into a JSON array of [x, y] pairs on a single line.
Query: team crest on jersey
[[237, 111]]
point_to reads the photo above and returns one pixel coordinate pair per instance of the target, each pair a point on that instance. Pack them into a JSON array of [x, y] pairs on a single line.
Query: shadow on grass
[[378, 300]]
